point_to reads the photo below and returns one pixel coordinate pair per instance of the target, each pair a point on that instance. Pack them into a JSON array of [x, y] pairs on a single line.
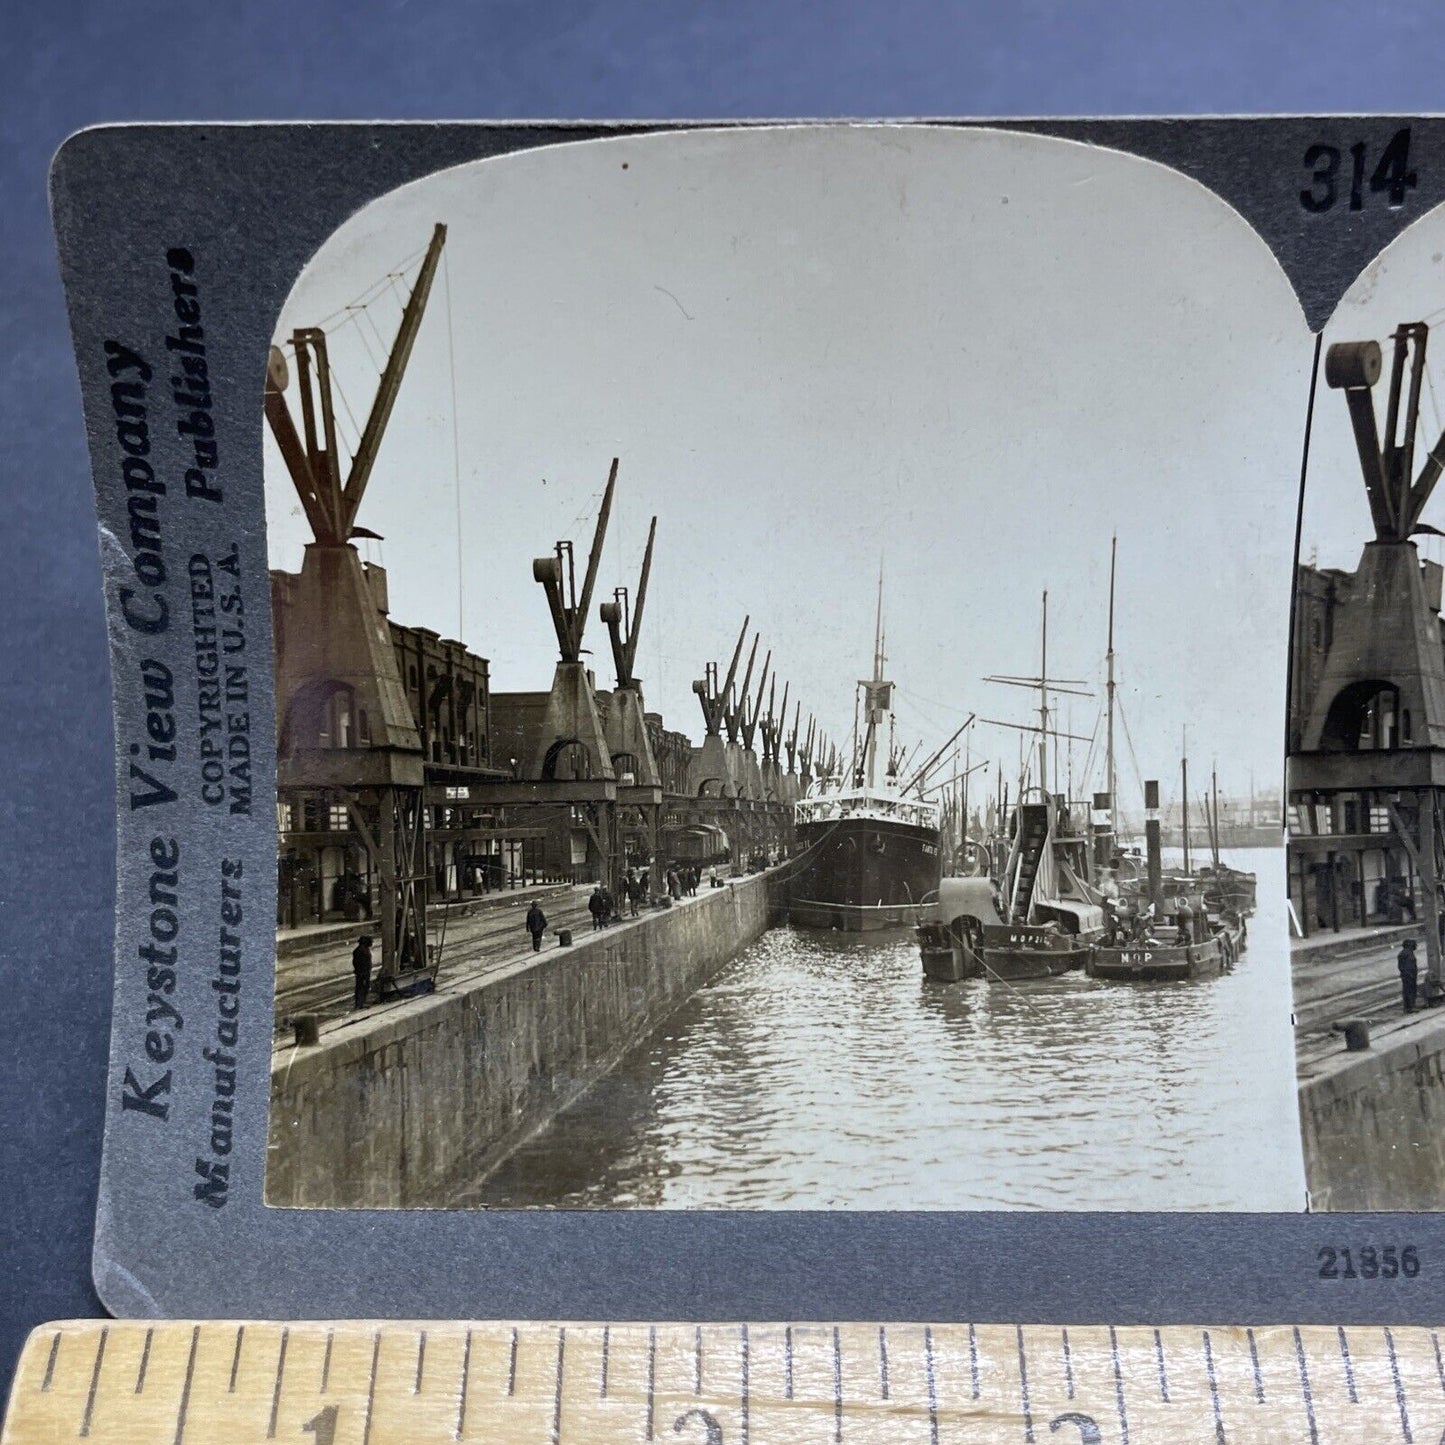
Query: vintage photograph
[[1366, 776], [779, 654]]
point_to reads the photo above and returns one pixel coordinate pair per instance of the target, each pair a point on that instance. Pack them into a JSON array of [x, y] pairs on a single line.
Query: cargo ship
[[869, 847]]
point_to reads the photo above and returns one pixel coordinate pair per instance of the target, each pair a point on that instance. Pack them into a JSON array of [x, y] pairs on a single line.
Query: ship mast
[[876, 692], [1109, 693], [1044, 697]]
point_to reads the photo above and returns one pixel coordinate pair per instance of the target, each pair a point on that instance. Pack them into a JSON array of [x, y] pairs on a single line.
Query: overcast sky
[[974, 355], [1406, 283]]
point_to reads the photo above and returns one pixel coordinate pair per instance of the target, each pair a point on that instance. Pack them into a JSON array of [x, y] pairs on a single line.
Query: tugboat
[[1042, 915], [870, 852], [1050, 919]]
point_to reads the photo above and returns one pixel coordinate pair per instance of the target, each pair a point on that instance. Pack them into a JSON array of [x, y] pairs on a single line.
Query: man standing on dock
[[1409, 973], [536, 925], [361, 967], [597, 907]]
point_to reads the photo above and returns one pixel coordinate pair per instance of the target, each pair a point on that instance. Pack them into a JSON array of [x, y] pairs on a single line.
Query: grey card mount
[[701, 715]]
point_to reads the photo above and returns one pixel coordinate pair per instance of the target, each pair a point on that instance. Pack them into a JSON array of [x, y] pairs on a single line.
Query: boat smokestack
[[1103, 830], [1151, 845]]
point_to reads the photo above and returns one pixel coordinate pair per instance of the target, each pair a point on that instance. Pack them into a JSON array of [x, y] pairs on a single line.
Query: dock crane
[[337, 678], [1374, 730]]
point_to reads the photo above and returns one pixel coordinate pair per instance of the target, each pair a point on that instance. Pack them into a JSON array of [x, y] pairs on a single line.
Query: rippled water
[[821, 1071]]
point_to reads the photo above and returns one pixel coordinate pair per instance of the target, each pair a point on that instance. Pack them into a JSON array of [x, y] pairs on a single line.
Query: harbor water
[[822, 1071]]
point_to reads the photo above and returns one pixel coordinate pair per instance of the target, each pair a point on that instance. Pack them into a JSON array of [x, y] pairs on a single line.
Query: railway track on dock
[[320, 981]]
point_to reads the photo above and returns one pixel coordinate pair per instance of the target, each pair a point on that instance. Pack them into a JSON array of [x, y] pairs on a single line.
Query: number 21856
[[1368, 1262]]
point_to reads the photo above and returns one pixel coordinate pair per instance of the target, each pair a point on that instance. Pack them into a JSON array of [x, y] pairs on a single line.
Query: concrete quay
[[407, 1104], [1373, 1122]]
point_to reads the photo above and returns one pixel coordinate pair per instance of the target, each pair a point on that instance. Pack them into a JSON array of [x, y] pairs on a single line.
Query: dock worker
[[597, 907], [361, 967], [536, 925], [630, 891], [1409, 968], [1184, 921]]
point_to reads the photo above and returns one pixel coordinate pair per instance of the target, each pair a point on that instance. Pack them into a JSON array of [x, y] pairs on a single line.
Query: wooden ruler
[[359, 1383]]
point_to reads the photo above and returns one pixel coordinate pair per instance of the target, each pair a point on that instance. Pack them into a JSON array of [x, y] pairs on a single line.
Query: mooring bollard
[[308, 1030], [564, 938], [1356, 1032]]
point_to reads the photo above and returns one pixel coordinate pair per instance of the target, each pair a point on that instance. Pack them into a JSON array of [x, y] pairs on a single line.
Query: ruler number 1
[[323, 1426], [1391, 176]]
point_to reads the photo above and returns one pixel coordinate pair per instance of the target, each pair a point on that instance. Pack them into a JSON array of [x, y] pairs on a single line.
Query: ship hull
[[1168, 962], [860, 875], [1023, 951]]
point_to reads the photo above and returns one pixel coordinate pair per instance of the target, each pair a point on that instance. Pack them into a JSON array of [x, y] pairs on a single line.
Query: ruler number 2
[[1392, 174], [323, 1426], [714, 1430]]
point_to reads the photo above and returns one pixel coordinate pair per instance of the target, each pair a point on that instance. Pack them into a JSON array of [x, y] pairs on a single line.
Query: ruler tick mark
[[972, 1359], [882, 1362], [837, 1385], [1068, 1365], [557, 1393], [50, 1363], [933, 1384], [276, 1394], [420, 1363], [1119, 1387], [326, 1361], [371, 1387], [788, 1363], [1439, 1363], [1305, 1392], [145, 1359], [606, 1350], [651, 1380], [236, 1359], [94, 1384], [512, 1365], [697, 1361], [746, 1384], [466, 1376], [1254, 1360], [1163, 1376], [1349, 1366], [1213, 1387], [186, 1388], [1399, 1388], [1024, 1387]]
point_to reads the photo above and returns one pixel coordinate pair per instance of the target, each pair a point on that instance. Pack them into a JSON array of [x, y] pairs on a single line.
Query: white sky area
[[973, 354], [1405, 283]]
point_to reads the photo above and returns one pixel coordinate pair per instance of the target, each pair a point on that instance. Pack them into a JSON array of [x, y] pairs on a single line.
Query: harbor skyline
[[794, 390]]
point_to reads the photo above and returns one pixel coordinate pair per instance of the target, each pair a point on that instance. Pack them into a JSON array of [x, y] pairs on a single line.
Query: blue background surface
[[66, 65]]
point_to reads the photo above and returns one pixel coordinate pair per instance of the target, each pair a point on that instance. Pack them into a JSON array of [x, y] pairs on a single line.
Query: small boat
[[951, 928], [1050, 918], [1200, 946]]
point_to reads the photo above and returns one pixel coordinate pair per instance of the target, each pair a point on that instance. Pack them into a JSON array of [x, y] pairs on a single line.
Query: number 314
[[1392, 175]]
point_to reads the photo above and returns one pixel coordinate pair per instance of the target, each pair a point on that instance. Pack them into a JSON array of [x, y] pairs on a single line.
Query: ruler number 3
[[1392, 174]]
